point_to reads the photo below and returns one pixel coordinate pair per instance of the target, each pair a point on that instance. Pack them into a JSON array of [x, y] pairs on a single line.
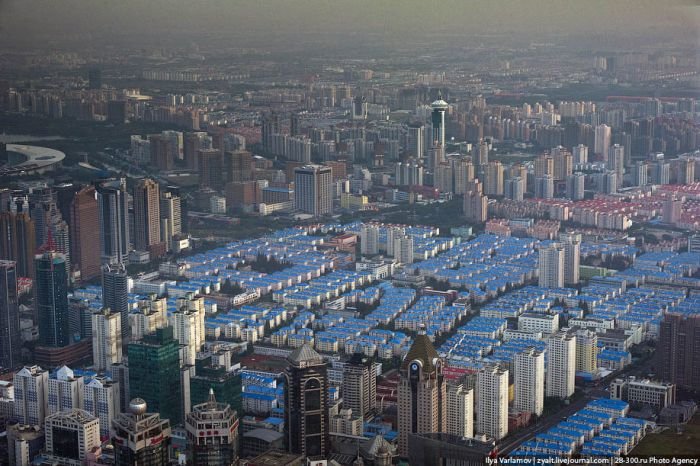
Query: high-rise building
[[494, 179], [529, 381], [661, 172], [403, 249], [140, 438], [515, 189], [306, 403], [270, 126], [163, 151], [603, 135], [313, 190], [106, 339], [439, 107], [31, 395], [544, 165], [10, 336], [212, 434], [586, 351], [65, 390], [170, 217], [211, 169], [416, 145], [188, 326], [146, 215], [580, 153], [85, 244], [359, 388], [672, 210], [475, 203], [563, 163], [460, 410], [18, 241], [694, 243], [480, 154], [101, 399], [70, 436], [238, 166], [544, 187], [120, 374], [685, 170], [561, 364], [640, 173], [369, 239], [616, 161], [422, 392], [24, 443], [492, 405], [149, 316], [572, 257], [112, 201], [52, 299], [575, 186], [115, 293], [678, 357], [551, 266], [192, 142], [154, 373]]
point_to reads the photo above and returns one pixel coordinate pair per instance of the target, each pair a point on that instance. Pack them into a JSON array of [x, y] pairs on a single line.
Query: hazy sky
[[53, 21]]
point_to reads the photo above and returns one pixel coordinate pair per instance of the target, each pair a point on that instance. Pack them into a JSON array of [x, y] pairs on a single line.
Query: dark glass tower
[[115, 293], [306, 403], [52, 299], [10, 341]]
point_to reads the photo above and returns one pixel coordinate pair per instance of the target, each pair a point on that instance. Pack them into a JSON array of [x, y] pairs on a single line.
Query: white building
[[106, 339], [460, 410], [572, 257], [369, 240], [31, 395], [551, 266], [149, 317], [561, 364], [101, 399], [67, 449], [188, 326], [65, 391], [529, 381], [492, 405], [643, 392], [403, 249], [537, 322]]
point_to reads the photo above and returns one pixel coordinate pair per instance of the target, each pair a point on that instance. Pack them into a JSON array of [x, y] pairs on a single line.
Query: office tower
[[154, 373], [661, 172], [31, 395], [480, 154], [70, 436], [106, 339], [212, 434], [403, 249], [678, 357], [586, 351], [460, 410], [369, 240], [492, 405], [188, 326], [561, 364], [115, 293], [65, 390], [603, 134], [575, 186], [580, 153], [616, 161], [416, 145], [422, 392], [149, 316], [515, 189], [140, 438], [529, 381], [84, 243], [18, 241], [551, 266], [52, 299], [672, 210], [439, 107], [238, 166], [306, 403], [170, 217], [475, 203], [10, 336], [544, 187], [640, 174], [211, 169], [49, 222], [563, 163], [359, 389], [146, 215], [544, 165], [101, 399], [572, 257], [270, 126], [313, 190], [113, 205], [494, 179]]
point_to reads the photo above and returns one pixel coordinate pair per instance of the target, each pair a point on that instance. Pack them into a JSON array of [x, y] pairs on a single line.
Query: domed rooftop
[[137, 406]]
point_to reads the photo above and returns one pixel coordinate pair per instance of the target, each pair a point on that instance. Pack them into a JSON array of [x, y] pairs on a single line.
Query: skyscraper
[[586, 351], [31, 395], [678, 353], [306, 403], [551, 266], [561, 364], [106, 339], [616, 161], [188, 326], [84, 223], [422, 392], [572, 257], [10, 337], [140, 438], [115, 293], [211, 166], [640, 173], [313, 190], [460, 410], [544, 187], [492, 405], [359, 388], [529, 381], [114, 221], [661, 172], [580, 153], [212, 434], [154, 373], [170, 217], [369, 239], [65, 390], [101, 399], [18, 241], [439, 107], [575, 186], [52, 299], [563, 163], [494, 179], [270, 126], [603, 134], [146, 215], [514, 189], [70, 436], [475, 205]]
